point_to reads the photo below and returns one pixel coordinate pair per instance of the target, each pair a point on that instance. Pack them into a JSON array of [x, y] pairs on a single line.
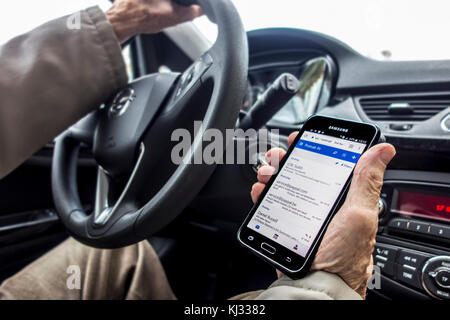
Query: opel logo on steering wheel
[[121, 102]]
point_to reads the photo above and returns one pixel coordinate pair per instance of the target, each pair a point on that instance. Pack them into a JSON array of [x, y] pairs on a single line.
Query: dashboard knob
[[381, 207], [442, 278], [436, 277]]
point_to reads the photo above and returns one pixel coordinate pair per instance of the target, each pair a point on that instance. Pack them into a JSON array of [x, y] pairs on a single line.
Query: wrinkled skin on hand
[[131, 17], [348, 243]]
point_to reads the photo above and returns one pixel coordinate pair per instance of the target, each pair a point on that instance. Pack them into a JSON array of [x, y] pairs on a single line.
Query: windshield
[[379, 29]]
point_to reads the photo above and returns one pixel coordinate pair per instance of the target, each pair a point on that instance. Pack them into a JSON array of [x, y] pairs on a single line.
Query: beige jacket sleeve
[[317, 285], [52, 76]]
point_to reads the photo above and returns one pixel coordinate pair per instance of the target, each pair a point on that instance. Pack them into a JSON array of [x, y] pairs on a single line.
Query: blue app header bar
[[328, 151]]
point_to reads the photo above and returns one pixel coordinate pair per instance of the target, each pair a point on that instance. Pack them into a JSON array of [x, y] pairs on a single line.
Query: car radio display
[[421, 204]]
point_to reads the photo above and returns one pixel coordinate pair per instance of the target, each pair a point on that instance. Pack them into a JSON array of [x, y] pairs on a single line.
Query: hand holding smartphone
[[286, 225]]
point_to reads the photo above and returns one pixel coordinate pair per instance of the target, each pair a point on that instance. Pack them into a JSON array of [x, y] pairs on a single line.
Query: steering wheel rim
[[127, 138]]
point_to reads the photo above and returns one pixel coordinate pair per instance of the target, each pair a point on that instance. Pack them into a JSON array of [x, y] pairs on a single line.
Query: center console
[[413, 241]]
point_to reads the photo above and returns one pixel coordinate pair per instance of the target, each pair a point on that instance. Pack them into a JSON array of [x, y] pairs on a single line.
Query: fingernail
[[266, 170], [387, 155]]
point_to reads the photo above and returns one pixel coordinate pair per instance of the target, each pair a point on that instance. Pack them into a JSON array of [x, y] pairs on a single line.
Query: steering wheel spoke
[[105, 208]]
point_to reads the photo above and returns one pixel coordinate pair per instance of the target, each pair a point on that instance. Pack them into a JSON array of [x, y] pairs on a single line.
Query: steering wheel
[[139, 188]]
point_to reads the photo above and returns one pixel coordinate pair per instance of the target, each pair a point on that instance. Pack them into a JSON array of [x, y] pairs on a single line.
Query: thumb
[[368, 176]]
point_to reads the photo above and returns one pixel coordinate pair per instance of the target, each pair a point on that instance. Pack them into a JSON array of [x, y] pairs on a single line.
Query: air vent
[[413, 108]]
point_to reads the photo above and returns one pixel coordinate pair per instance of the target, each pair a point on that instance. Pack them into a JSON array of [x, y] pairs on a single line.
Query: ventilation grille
[[418, 108]]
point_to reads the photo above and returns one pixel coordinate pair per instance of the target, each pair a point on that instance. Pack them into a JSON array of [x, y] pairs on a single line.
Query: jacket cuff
[[110, 44], [318, 285]]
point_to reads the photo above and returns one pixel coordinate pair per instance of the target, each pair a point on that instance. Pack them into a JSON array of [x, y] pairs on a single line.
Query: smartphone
[[286, 225]]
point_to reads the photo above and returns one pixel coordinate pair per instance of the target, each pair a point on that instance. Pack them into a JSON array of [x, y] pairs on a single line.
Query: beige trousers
[[75, 271]]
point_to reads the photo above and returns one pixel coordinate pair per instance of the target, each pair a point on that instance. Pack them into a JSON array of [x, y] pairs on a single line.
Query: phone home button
[[268, 248]]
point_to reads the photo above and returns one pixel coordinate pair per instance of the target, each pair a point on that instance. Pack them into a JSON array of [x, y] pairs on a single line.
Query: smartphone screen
[[298, 202], [301, 196]]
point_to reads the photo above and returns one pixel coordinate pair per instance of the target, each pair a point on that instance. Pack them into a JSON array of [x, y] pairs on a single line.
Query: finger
[[187, 13], [292, 137], [264, 173], [257, 189], [279, 274], [274, 156], [368, 176]]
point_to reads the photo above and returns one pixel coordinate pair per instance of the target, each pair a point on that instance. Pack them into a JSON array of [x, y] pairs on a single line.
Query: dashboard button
[[384, 257], [401, 224], [413, 259], [419, 227], [268, 248], [386, 267], [409, 275], [442, 278], [440, 231], [442, 294], [385, 251]]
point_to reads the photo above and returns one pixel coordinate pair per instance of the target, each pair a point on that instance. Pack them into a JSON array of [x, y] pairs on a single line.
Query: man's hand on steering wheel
[[346, 249], [131, 17]]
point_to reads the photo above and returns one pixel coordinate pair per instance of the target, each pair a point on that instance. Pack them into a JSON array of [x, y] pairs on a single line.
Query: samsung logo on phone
[[338, 129]]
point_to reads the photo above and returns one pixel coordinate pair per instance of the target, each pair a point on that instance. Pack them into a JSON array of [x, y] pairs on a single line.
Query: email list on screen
[[303, 193]]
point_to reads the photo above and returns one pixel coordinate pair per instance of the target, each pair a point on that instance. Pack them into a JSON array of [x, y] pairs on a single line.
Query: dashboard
[[410, 102]]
